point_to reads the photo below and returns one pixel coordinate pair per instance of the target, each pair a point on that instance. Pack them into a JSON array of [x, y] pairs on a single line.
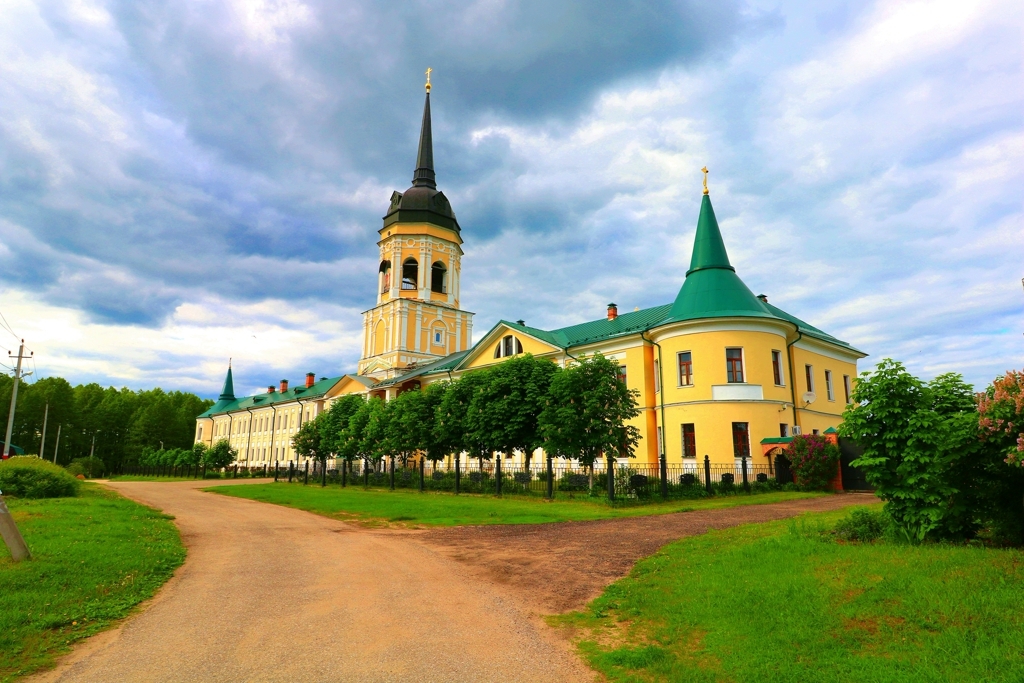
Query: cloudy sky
[[187, 181]]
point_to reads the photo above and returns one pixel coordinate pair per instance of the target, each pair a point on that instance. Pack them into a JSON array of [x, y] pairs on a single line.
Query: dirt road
[[274, 594], [553, 568], [269, 593]]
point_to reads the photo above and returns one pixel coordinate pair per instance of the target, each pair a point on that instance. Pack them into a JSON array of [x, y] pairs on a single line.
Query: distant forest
[[123, 421]]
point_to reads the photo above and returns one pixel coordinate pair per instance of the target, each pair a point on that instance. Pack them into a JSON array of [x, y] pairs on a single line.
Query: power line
[[7, 325]]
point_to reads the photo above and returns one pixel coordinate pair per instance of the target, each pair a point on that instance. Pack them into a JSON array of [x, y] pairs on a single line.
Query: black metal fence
[[630, 481]]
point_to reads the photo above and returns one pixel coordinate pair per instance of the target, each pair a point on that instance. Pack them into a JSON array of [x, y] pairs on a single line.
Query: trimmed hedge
[[30, 477]]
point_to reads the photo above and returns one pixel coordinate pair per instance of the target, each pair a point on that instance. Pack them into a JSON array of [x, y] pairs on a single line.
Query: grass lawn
[[776, 602], [94, 558], [411, 508]]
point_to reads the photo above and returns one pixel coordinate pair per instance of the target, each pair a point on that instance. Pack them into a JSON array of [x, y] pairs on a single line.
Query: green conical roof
[[712, 289], [228, 392]]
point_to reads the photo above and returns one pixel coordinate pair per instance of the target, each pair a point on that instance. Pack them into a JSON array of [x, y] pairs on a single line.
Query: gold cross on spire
[[705, 172], [428, 78]]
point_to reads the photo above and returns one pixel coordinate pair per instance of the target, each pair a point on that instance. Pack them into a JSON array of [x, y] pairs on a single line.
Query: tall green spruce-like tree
[[587, 411]]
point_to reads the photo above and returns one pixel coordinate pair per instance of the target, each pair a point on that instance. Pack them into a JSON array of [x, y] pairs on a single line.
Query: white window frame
[[847, 388], [743, 364], [782, 368], [657, 378], [829, 389], [679, 370], [809, 376]]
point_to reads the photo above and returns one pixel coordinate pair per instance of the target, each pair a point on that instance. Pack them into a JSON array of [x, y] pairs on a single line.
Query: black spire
[[424, 174]]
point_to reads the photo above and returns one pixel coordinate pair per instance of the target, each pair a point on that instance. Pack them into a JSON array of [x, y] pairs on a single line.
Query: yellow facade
[[715, 372]]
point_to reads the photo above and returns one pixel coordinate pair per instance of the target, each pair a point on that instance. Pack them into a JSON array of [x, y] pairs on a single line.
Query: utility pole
[[42, 442], [8, 529], [14, 398], [56, 445]]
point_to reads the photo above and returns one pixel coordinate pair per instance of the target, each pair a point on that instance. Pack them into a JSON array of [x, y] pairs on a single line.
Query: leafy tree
[[373, 444], [507, 406], [309, 442], [335, 430], [456, 429], [587, 410], [221, 454], [922, 451]]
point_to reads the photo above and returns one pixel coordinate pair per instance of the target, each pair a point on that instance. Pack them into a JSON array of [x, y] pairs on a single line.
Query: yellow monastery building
[[718, 370]]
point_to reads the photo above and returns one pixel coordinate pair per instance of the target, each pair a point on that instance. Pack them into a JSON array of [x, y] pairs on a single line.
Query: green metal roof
[[443, 365], [300, 393], [597, 330], [712, 289], [777, 439]]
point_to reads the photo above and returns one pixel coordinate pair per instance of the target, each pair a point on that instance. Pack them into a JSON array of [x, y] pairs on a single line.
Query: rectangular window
[[846, 388], [814, 431], [437, 337], [741, 439], [783, 430], [809, 376], [734, 365], [828, 385], [777, 368], [657, 378], [689, 442], [685, 369], [622, 374]]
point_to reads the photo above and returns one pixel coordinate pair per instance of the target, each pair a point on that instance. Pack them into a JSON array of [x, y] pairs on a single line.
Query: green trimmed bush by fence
[[28, 477]]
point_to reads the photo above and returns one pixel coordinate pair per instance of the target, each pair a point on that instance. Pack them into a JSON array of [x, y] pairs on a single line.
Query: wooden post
[[12, 537]]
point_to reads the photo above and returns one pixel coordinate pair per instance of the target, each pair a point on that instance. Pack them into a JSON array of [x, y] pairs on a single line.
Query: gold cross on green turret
[[705, 172], [428, 78]]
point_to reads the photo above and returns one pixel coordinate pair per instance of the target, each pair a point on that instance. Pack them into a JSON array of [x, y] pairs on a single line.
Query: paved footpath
[[269, 593]]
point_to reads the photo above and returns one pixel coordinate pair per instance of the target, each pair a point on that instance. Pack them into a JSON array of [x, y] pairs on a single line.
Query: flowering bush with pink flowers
[[1001, 407], [814, 460]]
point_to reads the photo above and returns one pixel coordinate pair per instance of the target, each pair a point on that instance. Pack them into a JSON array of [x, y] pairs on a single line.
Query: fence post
[[291, 470], [664, 470], [392, 473], [707, 475], [611, 479], [236, 472], [305, 481], [551, 477], [422, 467], [276, 470], [457, 459], [497, 474], [323, 473], [743, 465], [204, 471], [366, 474], [344, 472]]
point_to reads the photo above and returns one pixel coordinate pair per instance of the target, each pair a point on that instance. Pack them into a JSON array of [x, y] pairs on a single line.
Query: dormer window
[[508, 346]]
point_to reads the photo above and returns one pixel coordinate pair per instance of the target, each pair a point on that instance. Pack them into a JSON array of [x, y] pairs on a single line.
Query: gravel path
[[560, 567], [270, 593]]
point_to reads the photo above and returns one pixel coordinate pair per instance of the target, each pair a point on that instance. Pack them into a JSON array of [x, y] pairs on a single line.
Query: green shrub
[[28, 477], [814, 460], [90, 467], [862, 525]]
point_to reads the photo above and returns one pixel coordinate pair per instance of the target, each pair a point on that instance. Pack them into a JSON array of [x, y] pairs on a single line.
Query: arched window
[[508, 346], [410, 273], [438, 278], [385, 276]]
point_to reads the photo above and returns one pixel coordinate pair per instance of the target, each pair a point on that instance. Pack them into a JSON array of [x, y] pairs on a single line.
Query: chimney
[[521, 322], [310, 379], [284, 385], [613, 311], [270, 388], [763, 298]]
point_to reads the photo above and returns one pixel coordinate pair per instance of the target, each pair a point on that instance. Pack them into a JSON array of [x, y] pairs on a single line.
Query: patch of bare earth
[[555, 568]]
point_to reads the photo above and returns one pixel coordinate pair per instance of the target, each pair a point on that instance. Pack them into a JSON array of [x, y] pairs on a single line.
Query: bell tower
[[417, 319]]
